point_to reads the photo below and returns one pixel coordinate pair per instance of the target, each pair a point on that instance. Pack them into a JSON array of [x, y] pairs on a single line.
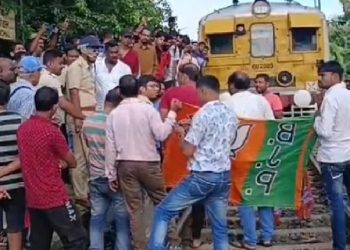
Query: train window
[[304, 39], [262, 40], [221, 44]]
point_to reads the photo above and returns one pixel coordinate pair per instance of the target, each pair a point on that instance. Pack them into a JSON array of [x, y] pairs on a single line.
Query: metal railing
[[297, 111]]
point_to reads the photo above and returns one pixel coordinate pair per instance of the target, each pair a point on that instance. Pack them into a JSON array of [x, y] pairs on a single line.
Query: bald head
[[188, 74], [238, 81], [7, 71], [4, 60]]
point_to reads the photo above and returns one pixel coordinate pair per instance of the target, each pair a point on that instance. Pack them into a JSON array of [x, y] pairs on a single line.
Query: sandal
[[3, 238], [265, 243], [236, 244], [248, 247], [196, 244]]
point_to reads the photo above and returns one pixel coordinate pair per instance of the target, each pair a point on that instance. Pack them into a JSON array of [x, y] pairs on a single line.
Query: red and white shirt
[[41, 147]]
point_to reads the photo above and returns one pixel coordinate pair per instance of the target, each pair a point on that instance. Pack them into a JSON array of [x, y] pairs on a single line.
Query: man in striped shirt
[[11, 182], [102, 198]]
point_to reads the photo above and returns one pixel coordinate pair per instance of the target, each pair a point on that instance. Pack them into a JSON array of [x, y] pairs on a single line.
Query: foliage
[[90, 15], [340, 44], [339, 37]]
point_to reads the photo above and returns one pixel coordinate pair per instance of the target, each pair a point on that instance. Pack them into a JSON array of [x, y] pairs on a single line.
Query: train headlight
[[285, 79], [261, 8]]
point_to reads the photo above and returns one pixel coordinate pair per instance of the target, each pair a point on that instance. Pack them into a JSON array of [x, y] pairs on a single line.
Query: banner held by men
[[269, 159]]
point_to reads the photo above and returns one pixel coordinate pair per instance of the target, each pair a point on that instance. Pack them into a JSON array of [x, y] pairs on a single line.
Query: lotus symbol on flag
[[241, 138]]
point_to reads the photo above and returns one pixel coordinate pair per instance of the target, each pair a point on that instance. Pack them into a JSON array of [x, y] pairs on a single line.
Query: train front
[[287, 41]]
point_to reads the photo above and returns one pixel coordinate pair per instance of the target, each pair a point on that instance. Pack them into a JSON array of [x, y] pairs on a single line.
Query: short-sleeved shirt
[[80, 76], [9, 124], [212, 132], [132, 60], [186, 94], [105, 80], [94, 130], [250, 106], [41, 147], [22, 98], [274, 101], [51, 80]]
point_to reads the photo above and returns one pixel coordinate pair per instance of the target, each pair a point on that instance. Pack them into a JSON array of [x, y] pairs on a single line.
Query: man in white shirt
[[251, 106], [332, 127], [245, 103], [108, 72], [171, 74]]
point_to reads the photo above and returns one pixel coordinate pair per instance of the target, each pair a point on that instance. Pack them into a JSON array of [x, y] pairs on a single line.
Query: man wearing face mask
[[81, 91], [147, 53]]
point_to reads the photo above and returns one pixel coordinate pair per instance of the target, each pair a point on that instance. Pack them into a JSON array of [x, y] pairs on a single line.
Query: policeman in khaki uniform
[[81, 91]]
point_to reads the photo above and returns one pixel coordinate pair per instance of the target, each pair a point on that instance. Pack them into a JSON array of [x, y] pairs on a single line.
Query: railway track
[[292, 233]]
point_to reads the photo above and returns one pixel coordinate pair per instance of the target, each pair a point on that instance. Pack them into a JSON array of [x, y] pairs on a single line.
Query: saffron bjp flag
[[269, 160]]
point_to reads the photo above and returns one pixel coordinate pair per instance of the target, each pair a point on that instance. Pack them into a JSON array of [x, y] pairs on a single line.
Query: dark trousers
[[198, 218], [65, 172], [65, 221]]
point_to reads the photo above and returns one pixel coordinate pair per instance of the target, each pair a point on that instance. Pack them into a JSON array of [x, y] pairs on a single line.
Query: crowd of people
[[96, 116], [86, 75]]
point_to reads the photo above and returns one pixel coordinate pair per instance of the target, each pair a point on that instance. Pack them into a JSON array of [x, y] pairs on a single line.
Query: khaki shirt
[[51, 80], [80, 77], [148, 59]]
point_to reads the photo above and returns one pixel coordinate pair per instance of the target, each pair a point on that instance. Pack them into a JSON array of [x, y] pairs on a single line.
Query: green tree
[[339, 37], [340, 44], [90, 15], [346, 7]]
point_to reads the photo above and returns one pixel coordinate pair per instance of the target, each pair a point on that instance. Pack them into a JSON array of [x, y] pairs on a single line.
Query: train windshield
[[262, 40], [221, 44], [304, 39]]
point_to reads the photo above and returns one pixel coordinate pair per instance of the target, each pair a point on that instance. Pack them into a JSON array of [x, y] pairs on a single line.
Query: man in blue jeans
[[207, 145], [103, 199], [248, 105], [332, 127]]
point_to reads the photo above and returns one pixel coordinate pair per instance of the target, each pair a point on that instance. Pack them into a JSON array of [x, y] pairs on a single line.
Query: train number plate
[[262, 66]]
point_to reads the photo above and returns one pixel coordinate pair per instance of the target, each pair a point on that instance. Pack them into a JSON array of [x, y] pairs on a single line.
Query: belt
[[209, 172], [88, 109]]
